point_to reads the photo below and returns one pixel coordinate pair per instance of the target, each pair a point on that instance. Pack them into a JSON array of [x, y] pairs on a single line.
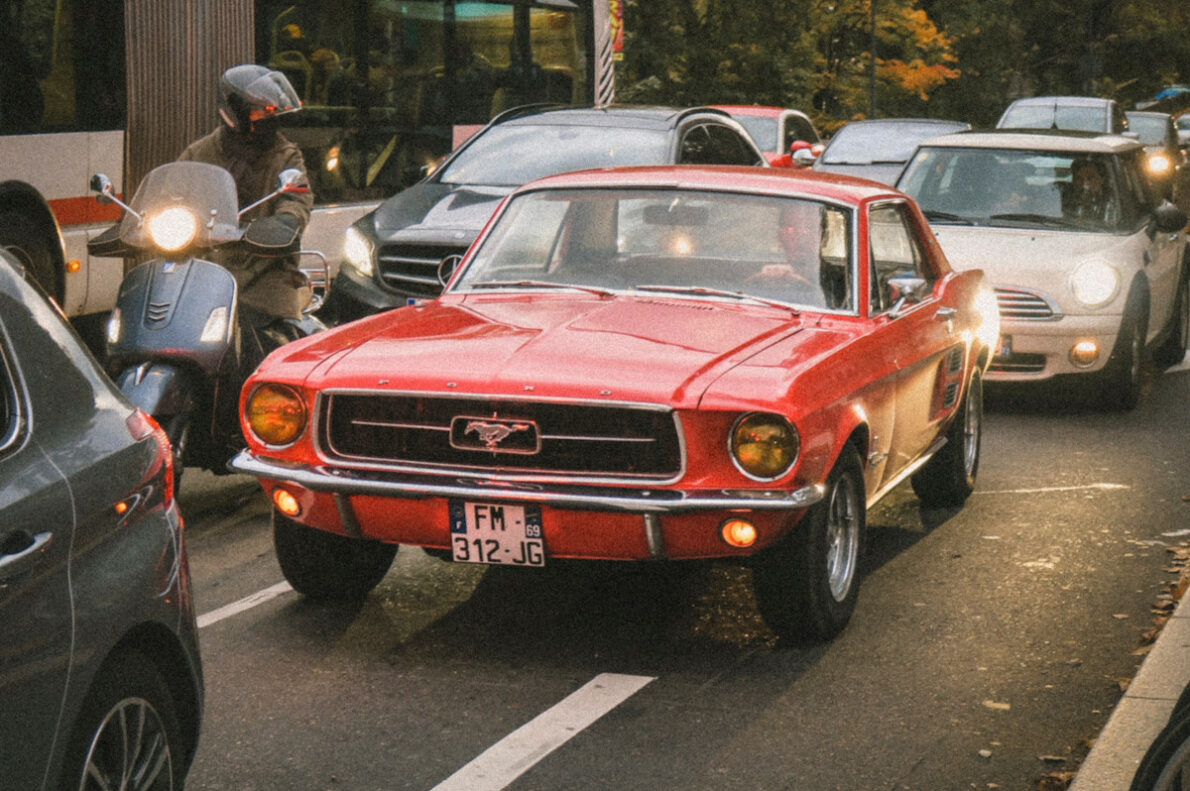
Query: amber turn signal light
[[286, 503], [738, 533], [276, 414]]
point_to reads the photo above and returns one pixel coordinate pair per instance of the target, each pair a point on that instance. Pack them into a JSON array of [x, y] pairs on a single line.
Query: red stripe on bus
[[76, 211]]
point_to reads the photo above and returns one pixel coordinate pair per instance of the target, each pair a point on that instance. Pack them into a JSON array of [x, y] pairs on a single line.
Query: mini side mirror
[[1169, 218]]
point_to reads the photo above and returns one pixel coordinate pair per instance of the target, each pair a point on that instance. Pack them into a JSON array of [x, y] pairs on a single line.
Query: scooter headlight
[[1158, 164], [173, 228]]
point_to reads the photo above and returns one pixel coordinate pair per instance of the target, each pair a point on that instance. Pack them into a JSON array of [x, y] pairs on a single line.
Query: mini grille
[[1020, 303], [413, 268], [571, 439]]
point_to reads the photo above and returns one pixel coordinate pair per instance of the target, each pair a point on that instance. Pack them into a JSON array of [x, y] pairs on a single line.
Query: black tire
[[1120, 385], [177, 428], [1173, 349], [947, 480], [1166, 765], [33, 249], [328, 567], [807, 585], [127, 732]]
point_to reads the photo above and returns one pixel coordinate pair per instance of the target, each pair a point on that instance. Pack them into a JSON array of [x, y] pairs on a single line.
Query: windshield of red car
[[514, 154], [794, 251]]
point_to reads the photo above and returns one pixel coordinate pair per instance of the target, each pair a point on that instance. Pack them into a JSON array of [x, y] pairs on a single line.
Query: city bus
[[388, 88]]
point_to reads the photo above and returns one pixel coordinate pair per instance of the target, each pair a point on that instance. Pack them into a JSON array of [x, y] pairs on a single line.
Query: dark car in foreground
[[878, 149], [394, 253], [100, 677]]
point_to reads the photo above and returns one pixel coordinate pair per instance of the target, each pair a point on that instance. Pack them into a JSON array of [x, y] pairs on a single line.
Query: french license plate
[[1004, 346], [498, 534]]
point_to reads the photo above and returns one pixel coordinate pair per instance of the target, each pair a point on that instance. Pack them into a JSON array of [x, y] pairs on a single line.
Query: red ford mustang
[[641, 364]]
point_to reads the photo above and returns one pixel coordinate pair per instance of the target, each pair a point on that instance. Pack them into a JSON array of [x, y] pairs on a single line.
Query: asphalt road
[[989, 644]]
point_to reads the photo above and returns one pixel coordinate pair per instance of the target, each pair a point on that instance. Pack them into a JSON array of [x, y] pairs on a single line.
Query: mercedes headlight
[[357, 251], [764, 446], [173, 228], [1094, 283]]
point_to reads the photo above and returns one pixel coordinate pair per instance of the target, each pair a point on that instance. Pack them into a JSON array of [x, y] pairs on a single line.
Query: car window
[[1046, 116], [1137, 195], [1149, 128], [514, 154], [11, 417], [798, 128], [1017, 188], [713, 144], [796, 251], [894, 249], [763, 130]]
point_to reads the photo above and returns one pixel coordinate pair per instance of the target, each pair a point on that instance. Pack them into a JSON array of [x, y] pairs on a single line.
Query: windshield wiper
[[703, 291], [1039, 219], [945, 216], [603, 292]]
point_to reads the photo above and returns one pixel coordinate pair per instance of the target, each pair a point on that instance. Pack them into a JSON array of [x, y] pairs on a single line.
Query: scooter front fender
[[158, 388]]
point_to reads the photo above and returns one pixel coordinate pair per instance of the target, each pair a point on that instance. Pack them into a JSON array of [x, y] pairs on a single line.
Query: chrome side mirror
[[906, 290]]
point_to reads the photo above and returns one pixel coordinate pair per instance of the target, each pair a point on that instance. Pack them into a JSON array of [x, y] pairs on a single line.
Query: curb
[[1143, 711]]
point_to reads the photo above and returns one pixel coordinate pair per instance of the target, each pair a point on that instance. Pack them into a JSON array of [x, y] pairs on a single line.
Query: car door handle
[[31, 551], [945, 314]]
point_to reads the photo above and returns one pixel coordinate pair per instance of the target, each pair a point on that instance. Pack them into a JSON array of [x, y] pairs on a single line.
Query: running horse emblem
[[491, 434]]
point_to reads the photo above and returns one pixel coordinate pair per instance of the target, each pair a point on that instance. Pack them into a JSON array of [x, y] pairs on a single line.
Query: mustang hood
[[430, 209], [622, 348]]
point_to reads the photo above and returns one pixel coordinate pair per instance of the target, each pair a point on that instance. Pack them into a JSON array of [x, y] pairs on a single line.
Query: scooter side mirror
[[287, 181], [102, 185]]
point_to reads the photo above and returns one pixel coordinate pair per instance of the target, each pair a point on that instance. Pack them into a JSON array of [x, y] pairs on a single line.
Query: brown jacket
[[272, 286]]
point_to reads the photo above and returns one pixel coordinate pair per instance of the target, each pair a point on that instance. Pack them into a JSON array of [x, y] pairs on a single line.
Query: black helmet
[[252, 93]]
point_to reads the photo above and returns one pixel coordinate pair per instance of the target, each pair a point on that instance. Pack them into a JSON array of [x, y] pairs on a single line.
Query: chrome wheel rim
[[130, 751], [971, 425], [842, 538]]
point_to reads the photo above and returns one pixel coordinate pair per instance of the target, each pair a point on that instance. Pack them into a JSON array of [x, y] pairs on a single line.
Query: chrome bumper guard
[[575, 497]]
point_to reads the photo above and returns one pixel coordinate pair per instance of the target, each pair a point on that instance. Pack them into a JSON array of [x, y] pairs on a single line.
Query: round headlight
[[173, 228], [358, 252], [764, 446], [1159, 163], [276, 414], [1094, 283]]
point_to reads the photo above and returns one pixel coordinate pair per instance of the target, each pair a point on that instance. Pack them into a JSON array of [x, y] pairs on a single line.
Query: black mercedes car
[[100, 677], [397, 252]]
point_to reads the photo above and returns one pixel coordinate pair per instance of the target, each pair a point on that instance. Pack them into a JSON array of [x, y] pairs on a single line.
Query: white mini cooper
[[1088, 263]]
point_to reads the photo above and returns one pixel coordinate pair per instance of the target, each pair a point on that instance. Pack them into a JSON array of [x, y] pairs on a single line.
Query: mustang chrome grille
[[413, 268], [500, 434], [1023, 303]]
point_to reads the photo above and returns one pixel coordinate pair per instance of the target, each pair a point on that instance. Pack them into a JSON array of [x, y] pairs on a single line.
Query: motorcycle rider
[[249, 145]]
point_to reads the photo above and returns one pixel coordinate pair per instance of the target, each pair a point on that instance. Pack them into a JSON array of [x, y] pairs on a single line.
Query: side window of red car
[[894, 249]]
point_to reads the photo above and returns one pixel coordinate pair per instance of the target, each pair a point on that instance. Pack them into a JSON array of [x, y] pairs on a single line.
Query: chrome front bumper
[[569, 496]]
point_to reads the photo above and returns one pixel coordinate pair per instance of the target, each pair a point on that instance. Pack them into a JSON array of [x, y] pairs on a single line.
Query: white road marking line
[[506, 760], [246, 603], [1043, 489]]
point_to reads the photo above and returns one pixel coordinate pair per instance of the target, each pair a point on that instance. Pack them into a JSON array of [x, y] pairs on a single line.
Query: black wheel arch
[[17, 196]]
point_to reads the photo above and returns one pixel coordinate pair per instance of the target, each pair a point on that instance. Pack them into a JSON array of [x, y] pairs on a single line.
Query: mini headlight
[[764, 446], [1094, 283], [173, 228], [1159, 163], [276, 414], [357, 251]]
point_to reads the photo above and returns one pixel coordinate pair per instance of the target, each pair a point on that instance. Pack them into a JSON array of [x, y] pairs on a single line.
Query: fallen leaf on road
[[1055, 781], [1120, 616], [991, 704], [1052, 759], [1122, 683]]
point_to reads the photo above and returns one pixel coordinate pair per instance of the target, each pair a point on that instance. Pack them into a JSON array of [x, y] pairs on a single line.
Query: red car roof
[[722, 177]]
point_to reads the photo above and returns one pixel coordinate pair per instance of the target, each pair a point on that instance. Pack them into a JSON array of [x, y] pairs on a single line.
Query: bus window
[[385, 84], [61, 66]]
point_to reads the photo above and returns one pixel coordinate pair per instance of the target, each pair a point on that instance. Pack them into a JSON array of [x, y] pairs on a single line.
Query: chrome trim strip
[[654, 536], [905, 473], [345, 482]]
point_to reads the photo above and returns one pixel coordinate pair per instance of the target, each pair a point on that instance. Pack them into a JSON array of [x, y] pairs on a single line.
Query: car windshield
[[716, 245], [1150, 129], [1020, 188], [1183, 122], [514, 154], [894, 141], [1051, 116], [762, 129]]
